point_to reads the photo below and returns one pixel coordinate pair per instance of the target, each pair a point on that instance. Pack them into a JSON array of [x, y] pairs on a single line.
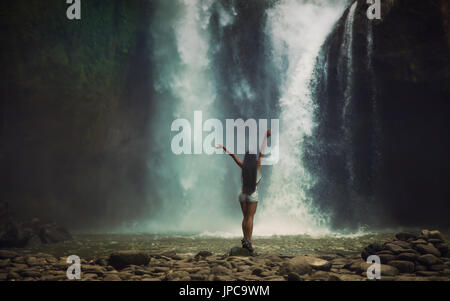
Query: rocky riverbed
[[195, 258]]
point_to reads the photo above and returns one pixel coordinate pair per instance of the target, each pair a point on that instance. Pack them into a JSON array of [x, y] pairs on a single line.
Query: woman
[[248, 197]]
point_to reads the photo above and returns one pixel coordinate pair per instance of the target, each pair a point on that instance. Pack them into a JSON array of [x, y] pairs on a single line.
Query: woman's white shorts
[[252, 198]]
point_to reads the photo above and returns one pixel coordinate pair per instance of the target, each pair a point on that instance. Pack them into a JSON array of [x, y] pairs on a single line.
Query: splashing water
[[193, 189], [346, 62], [297, 30]]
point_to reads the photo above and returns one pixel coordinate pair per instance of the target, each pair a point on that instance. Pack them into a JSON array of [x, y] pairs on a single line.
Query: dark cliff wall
[[398, 125], [74, 108]]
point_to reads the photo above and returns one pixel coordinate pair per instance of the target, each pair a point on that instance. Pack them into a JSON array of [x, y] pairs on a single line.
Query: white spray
[[297, 30]]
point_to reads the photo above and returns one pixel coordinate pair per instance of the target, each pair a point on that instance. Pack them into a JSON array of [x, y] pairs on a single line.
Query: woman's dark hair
[[249, 168]]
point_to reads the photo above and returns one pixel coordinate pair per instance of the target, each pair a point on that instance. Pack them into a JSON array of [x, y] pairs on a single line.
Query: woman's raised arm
[[235, 158], [263, 146]]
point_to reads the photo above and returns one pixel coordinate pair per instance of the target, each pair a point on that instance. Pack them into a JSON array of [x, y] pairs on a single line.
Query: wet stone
[[403, 266], [427, 249], [407, 256], [429, 259], [6, 254], [121, 259], [294, 277]]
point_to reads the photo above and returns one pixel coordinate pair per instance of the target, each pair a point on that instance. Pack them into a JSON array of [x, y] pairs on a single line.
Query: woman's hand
[[269, 133], [219, 146]]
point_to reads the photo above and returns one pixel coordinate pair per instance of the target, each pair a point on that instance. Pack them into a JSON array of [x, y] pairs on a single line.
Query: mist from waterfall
[[198, 193], [297, 30]]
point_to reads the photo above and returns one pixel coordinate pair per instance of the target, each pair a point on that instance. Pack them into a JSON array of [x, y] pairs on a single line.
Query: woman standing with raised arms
[[248, 196]]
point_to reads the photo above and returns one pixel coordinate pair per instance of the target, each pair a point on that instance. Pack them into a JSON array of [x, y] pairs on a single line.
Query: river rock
[[294, 277], [437, 267], [427, 249], [203, 254], [29, 233], [318, 264], [419, 241], [121, 259], [297, 265], [403, 266], [425, 233], [407, 256], [388, 270], [178, 276], [385, 258], [52, 233], [257, 271], [427, 273], [429, 259], [435, 234], [6, 254], [238, 251], [420, 267], [443, 248], [396, 249], [371, 250], [220, 270], [112, 277], [401, 243]]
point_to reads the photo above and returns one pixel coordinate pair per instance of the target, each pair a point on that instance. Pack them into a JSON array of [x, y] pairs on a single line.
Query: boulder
[[396, 249], [425, 233], [385, 258], [294, 277], [203, 254], [6, 254], [112, 277], [257, 271], [401, 243], [238, 251], [220, 270], [437, 267], [427, 249], [371, 249], [318, 264], [388, 270], [403, 266], [420, 267], [52, 233], [407, 256], [419, 241], [443, 248], [357, 266], [429, 259], [30, 233], [297, 265], [121, 259], [10, 235], [435, 234]]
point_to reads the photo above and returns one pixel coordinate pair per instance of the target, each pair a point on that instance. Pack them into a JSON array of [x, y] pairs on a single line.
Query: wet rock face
[[28, 233], [412, 253], [382, 114]]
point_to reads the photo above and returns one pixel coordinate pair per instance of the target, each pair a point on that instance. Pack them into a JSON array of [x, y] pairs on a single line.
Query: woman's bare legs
[[244, 213], [248, 210], [251, 209]]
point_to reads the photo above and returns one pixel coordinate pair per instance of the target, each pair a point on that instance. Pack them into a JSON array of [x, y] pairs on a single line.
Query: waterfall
[[190, 187], [376, 120], [297, 30], [346, 66], [198, 193]]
